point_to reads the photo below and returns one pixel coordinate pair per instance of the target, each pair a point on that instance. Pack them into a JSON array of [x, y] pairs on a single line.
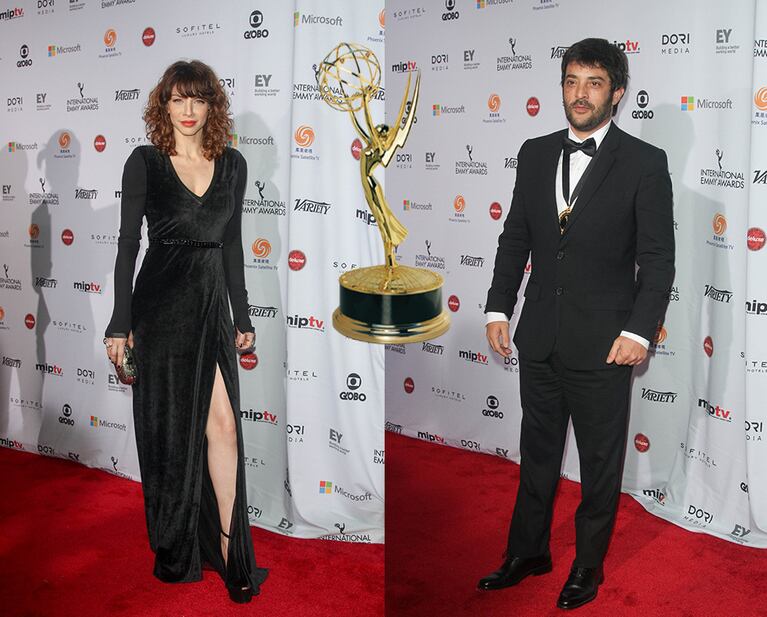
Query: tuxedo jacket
[[613, 267]]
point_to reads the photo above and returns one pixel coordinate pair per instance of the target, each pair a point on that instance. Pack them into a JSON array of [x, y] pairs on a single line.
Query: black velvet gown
[[180, 316]]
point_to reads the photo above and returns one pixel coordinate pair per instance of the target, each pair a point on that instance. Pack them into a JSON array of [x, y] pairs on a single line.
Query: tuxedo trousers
[[598, 403]]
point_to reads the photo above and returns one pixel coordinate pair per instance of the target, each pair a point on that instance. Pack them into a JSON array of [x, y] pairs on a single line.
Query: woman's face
[[187, 115]]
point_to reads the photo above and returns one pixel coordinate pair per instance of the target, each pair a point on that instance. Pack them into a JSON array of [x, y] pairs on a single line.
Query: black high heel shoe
[[238, 593]]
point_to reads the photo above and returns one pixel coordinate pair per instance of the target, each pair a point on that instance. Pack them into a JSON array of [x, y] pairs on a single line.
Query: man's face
[[586, 97]]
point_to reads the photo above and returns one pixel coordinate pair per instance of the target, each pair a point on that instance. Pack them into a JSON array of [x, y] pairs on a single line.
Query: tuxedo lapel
[[549, 169], [602, 166]]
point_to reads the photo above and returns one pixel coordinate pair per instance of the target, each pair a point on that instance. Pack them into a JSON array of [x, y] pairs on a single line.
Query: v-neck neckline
[[199, 198]]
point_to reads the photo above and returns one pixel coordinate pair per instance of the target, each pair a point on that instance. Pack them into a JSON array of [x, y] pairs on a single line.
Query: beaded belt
[[200, 244]]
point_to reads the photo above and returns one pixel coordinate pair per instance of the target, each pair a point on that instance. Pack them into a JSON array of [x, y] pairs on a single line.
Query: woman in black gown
[[177, 320]]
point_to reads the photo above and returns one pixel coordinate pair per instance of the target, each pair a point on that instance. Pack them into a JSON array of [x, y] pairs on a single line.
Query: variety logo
[[755, 239], [716, 294], [655, 396], [353, 393], [533, 106], [127, 95], [760, 177], [473, 262], [408, 385], [11, 362], [558, 52], [248, 361], [641, 442], [296, 260], [43, 282], [309, 205], [269, 312], [431, 348], [715, 411], [86, 193]]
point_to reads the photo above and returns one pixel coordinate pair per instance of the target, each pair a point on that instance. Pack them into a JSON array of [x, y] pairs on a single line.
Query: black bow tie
[[588, 147]]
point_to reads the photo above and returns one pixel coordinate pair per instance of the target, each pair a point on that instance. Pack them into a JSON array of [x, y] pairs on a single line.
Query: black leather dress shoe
[[581, 587], [513, 570]]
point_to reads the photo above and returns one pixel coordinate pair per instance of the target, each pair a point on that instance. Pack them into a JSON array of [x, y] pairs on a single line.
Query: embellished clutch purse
[[127, 372]]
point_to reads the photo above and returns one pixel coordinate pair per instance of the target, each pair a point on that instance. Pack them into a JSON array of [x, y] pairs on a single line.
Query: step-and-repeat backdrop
[[74, 78], [490, 69]]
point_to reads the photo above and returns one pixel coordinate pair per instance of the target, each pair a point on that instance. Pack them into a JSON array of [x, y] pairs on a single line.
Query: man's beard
[[597, 117]]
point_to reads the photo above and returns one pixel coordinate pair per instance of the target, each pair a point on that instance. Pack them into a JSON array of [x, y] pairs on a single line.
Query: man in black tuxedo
[[590, 204]]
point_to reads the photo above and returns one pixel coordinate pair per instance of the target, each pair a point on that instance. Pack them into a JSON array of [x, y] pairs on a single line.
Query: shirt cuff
[[635, 337], [496, 316]]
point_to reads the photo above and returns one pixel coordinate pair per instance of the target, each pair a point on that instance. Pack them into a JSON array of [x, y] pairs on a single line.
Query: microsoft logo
[[435, 110], [688, 103], [326, 487]]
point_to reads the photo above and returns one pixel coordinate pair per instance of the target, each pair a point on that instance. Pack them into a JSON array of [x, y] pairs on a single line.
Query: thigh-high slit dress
[[179, 312]]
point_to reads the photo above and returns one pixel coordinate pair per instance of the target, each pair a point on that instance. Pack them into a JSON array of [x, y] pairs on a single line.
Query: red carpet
[[447, 512], [73, 543]]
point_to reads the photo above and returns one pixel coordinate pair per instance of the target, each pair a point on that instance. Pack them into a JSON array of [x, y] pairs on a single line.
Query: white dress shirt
[[578, 163]]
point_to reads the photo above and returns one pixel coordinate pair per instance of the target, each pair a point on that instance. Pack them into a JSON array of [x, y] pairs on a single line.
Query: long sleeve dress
[[179, 313]]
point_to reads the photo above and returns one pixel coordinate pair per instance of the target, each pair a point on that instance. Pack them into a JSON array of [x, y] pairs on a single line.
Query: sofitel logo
[[203, 29]]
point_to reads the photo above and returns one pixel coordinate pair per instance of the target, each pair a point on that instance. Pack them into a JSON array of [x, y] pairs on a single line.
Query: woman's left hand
[[245, 341]]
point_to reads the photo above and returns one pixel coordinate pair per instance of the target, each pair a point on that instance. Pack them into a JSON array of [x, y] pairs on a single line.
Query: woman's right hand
[[116, 348]]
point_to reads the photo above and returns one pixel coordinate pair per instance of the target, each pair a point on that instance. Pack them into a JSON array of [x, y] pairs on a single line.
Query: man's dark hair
[[599, 53]]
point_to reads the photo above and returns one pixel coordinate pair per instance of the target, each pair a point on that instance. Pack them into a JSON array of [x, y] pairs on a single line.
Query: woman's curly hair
[[193, 79]]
